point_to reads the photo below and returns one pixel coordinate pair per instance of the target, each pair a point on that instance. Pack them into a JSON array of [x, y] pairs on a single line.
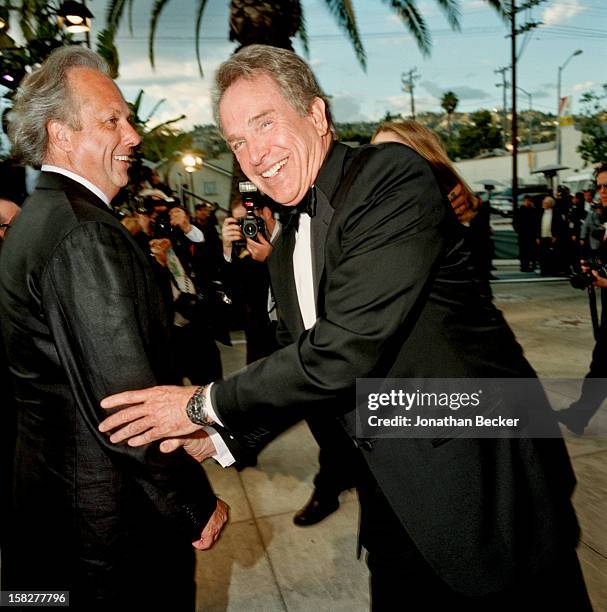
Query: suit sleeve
[[105, 316], [390, 234]]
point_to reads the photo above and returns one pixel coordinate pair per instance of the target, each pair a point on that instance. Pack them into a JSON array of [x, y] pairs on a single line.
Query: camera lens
[[249, 228]]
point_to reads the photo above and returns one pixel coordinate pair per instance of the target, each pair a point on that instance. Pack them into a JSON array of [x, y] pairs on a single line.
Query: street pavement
[[264, 563]]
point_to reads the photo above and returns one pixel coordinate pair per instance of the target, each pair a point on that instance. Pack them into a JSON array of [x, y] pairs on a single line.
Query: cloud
[[402, 104], [559, 13], [181, 85], [463, 92], [585, 86], [540, 93], [346, 108]]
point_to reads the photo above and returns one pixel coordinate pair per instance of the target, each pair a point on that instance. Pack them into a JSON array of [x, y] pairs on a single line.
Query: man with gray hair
[[81, 316], [372, 279]]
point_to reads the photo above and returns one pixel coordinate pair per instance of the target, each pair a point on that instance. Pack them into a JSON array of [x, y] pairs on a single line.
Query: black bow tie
[[307, 205]]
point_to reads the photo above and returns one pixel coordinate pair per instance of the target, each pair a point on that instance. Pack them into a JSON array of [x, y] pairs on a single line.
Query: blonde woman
[[427, 144]]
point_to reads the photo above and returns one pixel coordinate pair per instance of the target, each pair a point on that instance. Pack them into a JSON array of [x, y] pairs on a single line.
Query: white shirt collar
[[78, 179]]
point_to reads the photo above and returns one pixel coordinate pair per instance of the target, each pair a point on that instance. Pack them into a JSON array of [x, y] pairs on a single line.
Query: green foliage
[[162, 143], [479, 135], [593, 124], [38, 25]]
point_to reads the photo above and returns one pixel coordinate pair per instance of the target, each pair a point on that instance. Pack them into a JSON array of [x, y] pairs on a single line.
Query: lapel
[[283, 283], [281, 260], [319, 228], [52, 181]]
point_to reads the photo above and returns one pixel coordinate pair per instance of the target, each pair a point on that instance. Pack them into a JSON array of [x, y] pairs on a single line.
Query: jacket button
[[366, 444]]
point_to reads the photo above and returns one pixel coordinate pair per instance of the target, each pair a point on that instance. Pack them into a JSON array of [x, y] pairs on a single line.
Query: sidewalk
[[508, 271], [264, 563]]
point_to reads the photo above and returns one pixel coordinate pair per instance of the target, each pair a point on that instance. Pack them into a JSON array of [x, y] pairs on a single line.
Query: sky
[[463, 62]]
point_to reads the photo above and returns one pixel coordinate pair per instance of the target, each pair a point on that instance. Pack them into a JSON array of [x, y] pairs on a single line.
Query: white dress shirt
[[546, 231], [78, 179], [304, 285]]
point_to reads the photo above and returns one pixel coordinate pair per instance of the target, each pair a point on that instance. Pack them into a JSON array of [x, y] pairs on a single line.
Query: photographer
[[246, 273], [160, 234], [578, 415], [168, 217]]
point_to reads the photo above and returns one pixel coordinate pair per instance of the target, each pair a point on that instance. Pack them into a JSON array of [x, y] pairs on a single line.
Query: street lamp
[[74, 17], [191, 163], [558, 105], [530, 119]]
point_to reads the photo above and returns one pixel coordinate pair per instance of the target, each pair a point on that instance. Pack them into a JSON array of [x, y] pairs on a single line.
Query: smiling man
[[373, 279], [81, 316]]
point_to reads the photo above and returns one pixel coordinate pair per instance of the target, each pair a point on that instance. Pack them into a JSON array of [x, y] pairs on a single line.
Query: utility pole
[[514, 129], [525, 27], [503, 85], [408, 81]]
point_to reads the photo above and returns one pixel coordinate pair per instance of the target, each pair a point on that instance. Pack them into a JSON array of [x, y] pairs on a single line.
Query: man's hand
[[600, 281], [198, 445], [159, 247], [260, 251], [154, 413], [464, 208], [213, 528], [180, 219], [230, 232]]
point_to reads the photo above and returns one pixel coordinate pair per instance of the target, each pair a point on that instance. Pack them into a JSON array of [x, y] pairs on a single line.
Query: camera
[[161, 223], [251, 225], [580, 279]]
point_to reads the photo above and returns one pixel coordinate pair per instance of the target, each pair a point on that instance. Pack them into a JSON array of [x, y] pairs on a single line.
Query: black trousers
[[340, 462], [593, 389], [401, 579], [196, 354]]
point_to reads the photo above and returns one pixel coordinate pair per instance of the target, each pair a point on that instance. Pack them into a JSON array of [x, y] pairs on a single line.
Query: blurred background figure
[[594, 391], [526, 225], [247, 277], [163, 231], [552, 233]]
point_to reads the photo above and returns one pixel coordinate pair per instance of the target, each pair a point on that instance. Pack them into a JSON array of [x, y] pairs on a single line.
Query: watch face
[[194, 408]]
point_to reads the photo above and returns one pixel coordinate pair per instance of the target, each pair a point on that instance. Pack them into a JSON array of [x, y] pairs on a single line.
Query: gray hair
[[45, 95], [292, 75]]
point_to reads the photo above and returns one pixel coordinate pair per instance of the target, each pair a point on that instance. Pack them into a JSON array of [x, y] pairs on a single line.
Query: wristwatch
[[195, 408]]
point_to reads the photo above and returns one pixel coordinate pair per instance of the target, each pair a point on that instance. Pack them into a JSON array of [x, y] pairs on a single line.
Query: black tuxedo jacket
[[82, 318], [396, 297]]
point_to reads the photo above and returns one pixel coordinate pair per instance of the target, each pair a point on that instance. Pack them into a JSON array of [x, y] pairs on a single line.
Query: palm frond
[[156, 10], [156, 107], [303, 35], [136, 106], [343, 11], [108, 51], [130, 17], [501, 6], [164, 124], [201, 6], [414, 22], [451, 10], [113, 14]]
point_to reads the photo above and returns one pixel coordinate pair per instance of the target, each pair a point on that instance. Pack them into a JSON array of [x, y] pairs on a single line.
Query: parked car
[[501, 203]]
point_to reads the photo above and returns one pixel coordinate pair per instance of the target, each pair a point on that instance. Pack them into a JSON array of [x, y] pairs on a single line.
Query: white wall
[[500, 168]]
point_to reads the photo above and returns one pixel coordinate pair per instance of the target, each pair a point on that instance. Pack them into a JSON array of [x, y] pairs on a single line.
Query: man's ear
[[59, 135], [318, 114]]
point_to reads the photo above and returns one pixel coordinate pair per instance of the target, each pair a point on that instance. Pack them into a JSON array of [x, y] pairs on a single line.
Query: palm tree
[[276, 22], [160, 144], [449, 104]]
